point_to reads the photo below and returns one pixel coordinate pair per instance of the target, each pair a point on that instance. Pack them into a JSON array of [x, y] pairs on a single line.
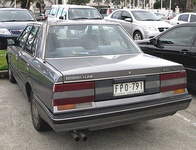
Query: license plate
[[128, 88]]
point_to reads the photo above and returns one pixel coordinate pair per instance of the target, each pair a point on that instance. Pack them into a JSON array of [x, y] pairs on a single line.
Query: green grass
[[3, 62]]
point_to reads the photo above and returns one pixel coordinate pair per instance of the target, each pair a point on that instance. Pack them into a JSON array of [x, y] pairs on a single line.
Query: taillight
[[173, 82], [73, 95]]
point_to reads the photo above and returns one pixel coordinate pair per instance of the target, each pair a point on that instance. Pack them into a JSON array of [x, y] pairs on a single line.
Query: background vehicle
[[183, 18], [92, 78], [43, 16], [73, 12], [139, 23], [176, 44], [12, 22], [106, 11]]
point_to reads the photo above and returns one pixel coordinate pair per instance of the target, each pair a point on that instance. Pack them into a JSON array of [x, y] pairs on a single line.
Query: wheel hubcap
[[137, 37], [35, 112]]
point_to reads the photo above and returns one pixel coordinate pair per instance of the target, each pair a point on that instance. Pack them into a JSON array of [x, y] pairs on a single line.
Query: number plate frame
[[128, 88]]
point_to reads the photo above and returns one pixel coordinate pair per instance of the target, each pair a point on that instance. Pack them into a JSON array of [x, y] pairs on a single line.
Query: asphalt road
[[177, 132]]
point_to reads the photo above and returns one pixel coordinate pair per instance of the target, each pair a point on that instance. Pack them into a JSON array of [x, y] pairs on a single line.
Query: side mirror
[[128, 19], [38, 19], [62, 17], [12, 42], [154, 41], [157, 43]]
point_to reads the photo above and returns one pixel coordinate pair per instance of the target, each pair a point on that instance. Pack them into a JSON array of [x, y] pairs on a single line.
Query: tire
[[11, 77], [38, 123], [137, 35]]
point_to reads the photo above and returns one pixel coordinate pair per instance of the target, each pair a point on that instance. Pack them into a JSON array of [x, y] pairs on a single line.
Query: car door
[[183, 18], [115, 17], [177, 43], [26, 52], [192, 18], [127, 24], [191, 70]]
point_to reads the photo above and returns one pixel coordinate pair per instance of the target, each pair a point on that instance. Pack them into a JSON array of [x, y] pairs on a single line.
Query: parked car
[[73, 12], [177, 44], [183, 18], [12, 22], [105, 11], [139, 23], [92, 78]]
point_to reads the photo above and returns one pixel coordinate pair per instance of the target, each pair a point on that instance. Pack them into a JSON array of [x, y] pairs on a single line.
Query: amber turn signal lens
[[179, 91], [66, 107]]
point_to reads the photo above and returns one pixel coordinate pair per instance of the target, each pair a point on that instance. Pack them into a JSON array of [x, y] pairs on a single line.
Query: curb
[[3, 73]]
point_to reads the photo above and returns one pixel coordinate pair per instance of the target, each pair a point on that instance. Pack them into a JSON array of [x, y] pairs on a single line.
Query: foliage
[[3, 62], [26, 3], [180, 3], [78, 2]]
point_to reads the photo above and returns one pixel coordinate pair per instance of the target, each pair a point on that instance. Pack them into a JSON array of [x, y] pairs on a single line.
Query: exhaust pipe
[[76, 135], [82, 135]]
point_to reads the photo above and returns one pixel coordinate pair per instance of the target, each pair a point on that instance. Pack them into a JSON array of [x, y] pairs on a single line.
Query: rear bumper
[[115, 116]]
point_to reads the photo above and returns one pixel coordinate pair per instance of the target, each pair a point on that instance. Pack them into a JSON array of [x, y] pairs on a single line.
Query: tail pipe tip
[[82, 136], [76, 135]]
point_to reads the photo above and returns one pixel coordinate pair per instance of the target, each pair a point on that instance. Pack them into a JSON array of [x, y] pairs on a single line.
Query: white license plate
[[128, 88]]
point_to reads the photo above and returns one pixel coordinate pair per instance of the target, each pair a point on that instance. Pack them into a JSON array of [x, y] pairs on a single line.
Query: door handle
[[27, 66], [184, 51]]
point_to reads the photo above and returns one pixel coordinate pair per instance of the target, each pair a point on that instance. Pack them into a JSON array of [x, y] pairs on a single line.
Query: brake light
[[173, 82], [73, 95]]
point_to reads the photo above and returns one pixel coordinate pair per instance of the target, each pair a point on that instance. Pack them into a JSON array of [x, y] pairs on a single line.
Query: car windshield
[[15, 15], [83, 13], [145, 16], [85, 40]]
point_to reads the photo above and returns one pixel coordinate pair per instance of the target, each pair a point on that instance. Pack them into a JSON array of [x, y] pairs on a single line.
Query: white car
[[183, 18], [73, 12], [139, 23]]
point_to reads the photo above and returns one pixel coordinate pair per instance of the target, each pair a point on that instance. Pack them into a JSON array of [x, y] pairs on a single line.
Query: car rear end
[[119, 100]]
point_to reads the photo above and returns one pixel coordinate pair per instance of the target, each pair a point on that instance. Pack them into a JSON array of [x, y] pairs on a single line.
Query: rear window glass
[[85, 40], [83, 13]]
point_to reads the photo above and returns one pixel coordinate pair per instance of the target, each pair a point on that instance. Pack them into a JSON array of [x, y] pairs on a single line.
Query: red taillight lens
[[173, 81], [74, 86], [73, 93]]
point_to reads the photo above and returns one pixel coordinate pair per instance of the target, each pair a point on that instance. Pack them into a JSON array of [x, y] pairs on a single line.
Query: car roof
[[73, 22], [188, 13], [127, 9], [72, 6], [13, 9]]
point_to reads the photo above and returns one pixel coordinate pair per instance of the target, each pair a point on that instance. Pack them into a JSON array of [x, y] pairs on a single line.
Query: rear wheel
[[38, 123], [137, 35], [11, 77]]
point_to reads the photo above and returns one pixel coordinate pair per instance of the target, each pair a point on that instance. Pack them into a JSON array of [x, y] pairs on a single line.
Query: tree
[[180, 3], [78, 2], [194, 5], [107, 2], [188, 6], [25, 3], [97, 1]]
